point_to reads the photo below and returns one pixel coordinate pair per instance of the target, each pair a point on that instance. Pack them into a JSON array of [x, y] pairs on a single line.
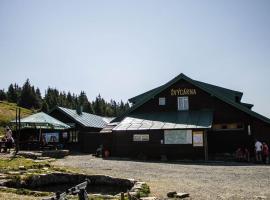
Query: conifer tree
[[11, 94], [3, 95]]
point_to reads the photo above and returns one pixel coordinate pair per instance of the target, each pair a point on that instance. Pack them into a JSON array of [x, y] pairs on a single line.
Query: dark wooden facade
[[233, 126], [79, 132]]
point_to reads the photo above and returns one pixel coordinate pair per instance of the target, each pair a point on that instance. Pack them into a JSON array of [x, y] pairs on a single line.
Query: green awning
[[43, 121], [167, 120]]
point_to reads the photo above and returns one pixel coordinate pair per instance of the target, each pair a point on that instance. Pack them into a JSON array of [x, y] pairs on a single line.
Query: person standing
[[258, 151], [265, 153], [9, 139]]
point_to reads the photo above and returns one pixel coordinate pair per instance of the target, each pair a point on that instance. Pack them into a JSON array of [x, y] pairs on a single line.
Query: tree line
[[29, 96]]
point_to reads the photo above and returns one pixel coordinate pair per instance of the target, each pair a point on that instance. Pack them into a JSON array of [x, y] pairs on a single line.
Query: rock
[[260, 197], [3, 176], [171, 194], [13, 173], [148, 198], [55, 153], [32, 170], [101, 196], [27, 154], [22, 167], [181, 195]]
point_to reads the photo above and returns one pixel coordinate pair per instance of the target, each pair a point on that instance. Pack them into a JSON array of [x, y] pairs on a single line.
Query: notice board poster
[[51, 137], [198, 138], [177, 137]]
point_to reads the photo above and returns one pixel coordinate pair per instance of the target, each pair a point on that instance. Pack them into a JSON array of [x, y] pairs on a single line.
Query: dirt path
[[202, 181]]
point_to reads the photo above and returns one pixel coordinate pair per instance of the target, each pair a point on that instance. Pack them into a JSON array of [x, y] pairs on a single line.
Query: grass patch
[[23, 191], [144, 191], [8, 113], [13, 164]]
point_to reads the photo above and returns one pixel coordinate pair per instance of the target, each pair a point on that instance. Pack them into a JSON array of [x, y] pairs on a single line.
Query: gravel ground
[[201, 181]]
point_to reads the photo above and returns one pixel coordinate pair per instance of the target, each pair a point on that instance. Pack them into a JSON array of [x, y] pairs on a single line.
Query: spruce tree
[[11, 94], [28, 98], [3, 95]]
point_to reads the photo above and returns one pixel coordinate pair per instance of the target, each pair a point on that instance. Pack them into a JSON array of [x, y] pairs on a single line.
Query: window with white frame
[[140, 137], [162, 101], [183, 103]]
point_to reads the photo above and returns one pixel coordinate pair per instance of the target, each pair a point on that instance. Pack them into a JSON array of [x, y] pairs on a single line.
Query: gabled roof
[[42, 120], [231, 94], [225, 95], [84, 119]]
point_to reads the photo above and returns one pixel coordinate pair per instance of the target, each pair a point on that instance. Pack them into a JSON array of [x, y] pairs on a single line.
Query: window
[[162, 101], [140, 138], [228, 127], [183, 103], [73, 136]]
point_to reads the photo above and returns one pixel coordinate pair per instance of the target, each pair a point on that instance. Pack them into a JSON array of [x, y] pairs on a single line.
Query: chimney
[[79, 110]]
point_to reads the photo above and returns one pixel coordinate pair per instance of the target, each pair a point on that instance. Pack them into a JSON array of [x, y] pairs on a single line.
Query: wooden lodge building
[[82, 135], [185, 118]]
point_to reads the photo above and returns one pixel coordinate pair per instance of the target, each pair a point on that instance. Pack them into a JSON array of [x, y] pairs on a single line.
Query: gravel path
[[202, 181]]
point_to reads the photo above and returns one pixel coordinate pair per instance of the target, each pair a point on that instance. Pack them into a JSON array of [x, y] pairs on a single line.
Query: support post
[[205, 146]]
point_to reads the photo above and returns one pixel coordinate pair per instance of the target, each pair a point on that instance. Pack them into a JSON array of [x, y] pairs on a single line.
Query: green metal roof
[[231, 94], [168, 120], [221, 93], [42, 120], [85, 119]]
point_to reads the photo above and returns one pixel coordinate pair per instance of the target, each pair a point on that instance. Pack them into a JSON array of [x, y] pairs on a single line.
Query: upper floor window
[[183, 103], [162, 101]]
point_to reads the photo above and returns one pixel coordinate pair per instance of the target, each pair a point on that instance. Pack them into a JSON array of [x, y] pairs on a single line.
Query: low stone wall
[[62, 178], [34, 181], [55, 153], [57, 178]]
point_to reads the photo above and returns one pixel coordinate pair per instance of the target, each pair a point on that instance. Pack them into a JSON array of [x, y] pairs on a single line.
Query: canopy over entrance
[[167, 120], [42, 121]]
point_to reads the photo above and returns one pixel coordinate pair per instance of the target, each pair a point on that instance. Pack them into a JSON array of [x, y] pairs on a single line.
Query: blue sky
[[122, 48]]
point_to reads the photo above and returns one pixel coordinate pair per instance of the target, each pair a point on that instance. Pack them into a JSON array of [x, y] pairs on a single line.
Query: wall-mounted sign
[[198, 139], [177, 137], [140, 137], [183, 91], [51, 137]]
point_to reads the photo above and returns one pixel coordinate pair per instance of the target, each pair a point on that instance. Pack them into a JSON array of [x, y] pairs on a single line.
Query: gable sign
[[183, 92]]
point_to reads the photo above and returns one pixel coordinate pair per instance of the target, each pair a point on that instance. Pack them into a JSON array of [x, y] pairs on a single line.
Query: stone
[[3, 176], [171, 194], [101, 196], [55, 153], [148, 198], [181, 195], [21, 167], [260, 197], [13, 173], [32, 170]]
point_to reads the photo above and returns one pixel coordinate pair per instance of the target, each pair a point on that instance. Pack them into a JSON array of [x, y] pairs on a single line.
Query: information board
[[197, 138], [177, 137], [51, 137]]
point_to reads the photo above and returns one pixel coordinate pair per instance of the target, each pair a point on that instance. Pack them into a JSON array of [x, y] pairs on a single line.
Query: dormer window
[[183, 103], [162, 101]]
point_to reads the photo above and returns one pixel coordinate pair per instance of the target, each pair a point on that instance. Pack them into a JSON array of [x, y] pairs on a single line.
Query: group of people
[[261, 152], [7, 142]]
